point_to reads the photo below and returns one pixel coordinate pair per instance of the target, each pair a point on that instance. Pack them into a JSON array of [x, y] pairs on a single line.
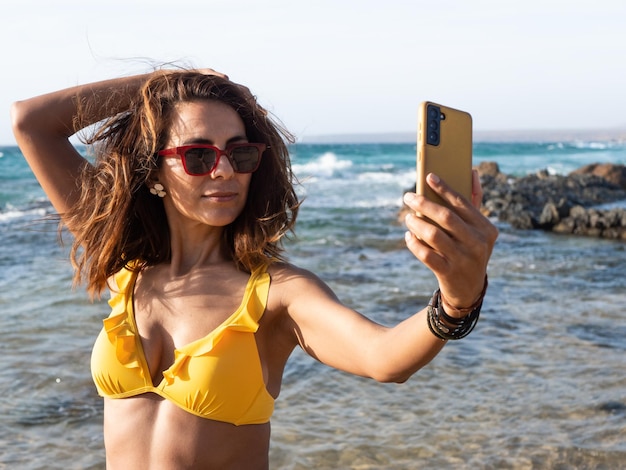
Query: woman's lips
[[221, 196]]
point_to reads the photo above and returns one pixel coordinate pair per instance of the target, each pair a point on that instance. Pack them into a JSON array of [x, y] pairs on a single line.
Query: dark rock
[[558, 203], [549, 216], [522, 220], [613, 173], [488, 168], [563, 204]]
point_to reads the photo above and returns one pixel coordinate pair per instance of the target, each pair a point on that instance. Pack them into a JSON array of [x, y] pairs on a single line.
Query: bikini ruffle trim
[[120, 330], [241, 321], [117, 326]]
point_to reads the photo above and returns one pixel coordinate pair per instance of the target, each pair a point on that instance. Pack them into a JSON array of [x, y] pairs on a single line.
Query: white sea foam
[[558, 145], [326, 165], [377, 176], [12, 214], [591, 145], [404, 179]]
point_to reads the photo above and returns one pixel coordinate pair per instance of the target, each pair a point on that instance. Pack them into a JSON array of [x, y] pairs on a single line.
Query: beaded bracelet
[[453, 328]]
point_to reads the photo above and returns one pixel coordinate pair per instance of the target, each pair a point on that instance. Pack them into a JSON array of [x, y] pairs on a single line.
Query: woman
[[181, 217]]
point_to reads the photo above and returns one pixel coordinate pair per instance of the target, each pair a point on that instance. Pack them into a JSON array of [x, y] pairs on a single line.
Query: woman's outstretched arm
[[457, 250]]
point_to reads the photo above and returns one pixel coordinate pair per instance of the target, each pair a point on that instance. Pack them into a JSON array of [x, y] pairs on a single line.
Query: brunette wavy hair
[[117, 222]]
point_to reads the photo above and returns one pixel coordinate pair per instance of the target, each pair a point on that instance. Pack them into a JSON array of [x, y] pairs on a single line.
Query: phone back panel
[[451, 158]]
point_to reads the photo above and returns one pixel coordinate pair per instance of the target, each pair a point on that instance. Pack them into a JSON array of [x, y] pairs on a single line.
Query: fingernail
[[434, 178], [409, 198]]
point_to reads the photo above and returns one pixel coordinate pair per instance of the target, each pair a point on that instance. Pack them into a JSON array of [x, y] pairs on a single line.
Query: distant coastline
[[617, 135], [556, 135]]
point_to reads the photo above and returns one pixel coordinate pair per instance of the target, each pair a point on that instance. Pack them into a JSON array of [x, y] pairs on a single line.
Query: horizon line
[[512, 135], [615, 134]]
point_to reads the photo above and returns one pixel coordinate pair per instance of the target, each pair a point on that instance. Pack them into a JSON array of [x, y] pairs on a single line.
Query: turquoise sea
[[540, 383]]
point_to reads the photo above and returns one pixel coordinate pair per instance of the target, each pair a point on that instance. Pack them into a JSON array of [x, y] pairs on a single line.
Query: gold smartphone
[[444, 147]]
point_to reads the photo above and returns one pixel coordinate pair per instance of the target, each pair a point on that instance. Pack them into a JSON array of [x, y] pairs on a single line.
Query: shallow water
[[540, 383]]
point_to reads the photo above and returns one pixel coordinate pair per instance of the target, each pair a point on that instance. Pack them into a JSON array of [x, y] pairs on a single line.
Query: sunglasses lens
[[245, 159], [199, 161]]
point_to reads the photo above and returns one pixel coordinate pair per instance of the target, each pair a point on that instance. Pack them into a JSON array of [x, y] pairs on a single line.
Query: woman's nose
[[223, 168]]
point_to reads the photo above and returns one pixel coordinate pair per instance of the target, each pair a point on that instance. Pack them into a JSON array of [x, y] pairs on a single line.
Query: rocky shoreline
[[567, 204], [570, 204]]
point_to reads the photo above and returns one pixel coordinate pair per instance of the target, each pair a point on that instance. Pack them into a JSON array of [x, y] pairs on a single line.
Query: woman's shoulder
[[120, 280], [283, 272], [296, 282]]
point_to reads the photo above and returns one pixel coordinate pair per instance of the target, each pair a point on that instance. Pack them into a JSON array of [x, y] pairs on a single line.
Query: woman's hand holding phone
[[454, 240]]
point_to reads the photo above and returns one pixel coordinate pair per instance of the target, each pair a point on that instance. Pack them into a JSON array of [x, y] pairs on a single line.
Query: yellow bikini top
[[217, 377]]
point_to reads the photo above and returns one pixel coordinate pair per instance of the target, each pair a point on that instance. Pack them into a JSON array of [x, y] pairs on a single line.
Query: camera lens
[[434, 125], [433, 136], [433, 113]]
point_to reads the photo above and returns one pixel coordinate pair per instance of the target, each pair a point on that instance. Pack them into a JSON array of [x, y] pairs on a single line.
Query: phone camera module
[[434, 116]]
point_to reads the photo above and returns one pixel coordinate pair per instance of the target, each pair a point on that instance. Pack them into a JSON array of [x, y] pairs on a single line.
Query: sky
[[328, 67]]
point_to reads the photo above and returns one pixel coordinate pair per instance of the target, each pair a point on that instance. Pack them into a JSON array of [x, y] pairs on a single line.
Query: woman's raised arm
[[43, 125]]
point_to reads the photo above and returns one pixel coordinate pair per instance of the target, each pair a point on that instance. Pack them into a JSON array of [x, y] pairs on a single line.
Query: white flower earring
[[158, 190]]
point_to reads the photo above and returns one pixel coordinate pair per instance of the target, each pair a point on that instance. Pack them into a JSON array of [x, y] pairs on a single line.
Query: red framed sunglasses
[[202, 159]]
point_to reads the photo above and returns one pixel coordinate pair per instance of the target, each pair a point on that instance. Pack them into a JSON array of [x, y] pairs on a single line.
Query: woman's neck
[[196, 247]]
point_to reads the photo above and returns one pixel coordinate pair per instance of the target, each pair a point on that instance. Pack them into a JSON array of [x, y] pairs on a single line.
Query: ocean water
[[540, 383]]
